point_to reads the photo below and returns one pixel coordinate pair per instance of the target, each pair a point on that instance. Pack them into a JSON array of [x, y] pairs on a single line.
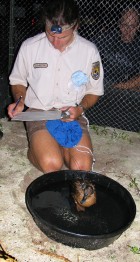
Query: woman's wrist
[[83, 109]]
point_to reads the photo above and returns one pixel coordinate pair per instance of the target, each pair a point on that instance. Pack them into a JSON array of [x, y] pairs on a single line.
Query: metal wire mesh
[[20, 19]]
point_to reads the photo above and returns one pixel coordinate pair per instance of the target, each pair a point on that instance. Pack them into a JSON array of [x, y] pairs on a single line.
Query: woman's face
[[60, 41], [129, 25]]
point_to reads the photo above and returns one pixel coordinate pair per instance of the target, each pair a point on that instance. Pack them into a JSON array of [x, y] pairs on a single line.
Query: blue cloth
[[79, 78], [67, 134]]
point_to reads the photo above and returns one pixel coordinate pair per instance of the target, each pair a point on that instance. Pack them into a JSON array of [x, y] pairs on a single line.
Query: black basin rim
[[61, 231]]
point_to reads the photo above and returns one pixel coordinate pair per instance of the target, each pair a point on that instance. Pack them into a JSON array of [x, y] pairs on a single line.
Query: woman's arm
[[17, 91]]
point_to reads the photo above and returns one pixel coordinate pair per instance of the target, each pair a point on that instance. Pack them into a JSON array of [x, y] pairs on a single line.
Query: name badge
[[40, 65]]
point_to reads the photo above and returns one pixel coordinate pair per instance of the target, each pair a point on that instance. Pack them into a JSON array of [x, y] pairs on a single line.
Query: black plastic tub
[[48, 199]]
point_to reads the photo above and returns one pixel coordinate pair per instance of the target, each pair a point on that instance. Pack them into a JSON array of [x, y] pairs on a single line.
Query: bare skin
[[17, 91], [44, 151], [129, 26], [133, 83], [48, 156]]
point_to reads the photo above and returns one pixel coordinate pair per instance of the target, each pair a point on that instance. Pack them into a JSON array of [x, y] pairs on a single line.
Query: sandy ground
[[117, 154]]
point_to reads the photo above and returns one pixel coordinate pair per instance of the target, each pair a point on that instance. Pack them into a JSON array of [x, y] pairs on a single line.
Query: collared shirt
[[46, 72]]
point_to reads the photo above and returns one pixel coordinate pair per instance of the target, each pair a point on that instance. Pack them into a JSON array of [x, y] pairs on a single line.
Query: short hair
[[61, 12]]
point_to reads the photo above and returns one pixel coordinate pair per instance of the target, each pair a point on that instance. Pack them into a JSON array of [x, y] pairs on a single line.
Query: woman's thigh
[[42, 143], [43, 148], [80, 157]]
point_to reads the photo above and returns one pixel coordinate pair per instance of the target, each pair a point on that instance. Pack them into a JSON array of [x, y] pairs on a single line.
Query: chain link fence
[[119, 107]]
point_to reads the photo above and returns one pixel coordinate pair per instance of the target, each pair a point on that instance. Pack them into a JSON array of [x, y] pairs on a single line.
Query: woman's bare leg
[[81, 156], [44, 152]]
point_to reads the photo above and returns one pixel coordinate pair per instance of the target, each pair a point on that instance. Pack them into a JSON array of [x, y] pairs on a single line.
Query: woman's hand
[[19, 92], [12, 112], [74, 112]]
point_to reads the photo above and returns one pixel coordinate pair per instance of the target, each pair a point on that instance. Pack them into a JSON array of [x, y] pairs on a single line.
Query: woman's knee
[[81, 164], [50, 164], [45, 162]]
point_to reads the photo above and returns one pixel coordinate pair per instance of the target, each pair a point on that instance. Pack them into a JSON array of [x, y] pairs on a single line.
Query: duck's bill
[[40, 115]]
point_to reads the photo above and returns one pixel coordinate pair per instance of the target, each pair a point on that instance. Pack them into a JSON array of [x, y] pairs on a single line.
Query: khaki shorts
[[34, 126]]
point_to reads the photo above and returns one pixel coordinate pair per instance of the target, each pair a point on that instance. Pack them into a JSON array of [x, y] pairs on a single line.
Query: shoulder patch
[[95, 73]]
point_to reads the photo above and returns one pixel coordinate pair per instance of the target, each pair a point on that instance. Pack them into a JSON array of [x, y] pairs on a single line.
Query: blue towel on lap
[[67, 134]]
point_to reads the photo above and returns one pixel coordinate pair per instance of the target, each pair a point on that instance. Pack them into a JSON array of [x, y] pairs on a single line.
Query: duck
[[83, 194]]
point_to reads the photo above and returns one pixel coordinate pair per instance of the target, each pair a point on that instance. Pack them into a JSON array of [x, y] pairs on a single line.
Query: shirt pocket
[[73, 93]]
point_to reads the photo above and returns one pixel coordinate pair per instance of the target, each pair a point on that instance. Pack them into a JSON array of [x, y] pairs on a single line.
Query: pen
[[17, 103]]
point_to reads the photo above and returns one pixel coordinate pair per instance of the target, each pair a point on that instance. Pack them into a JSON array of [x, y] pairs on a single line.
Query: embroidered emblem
[[95, 73], [40, 65]]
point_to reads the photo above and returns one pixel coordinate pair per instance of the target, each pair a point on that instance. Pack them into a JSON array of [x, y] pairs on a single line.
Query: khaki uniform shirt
[[46, 72]]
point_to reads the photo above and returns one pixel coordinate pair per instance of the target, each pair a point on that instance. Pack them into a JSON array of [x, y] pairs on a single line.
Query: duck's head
[[84, 194]]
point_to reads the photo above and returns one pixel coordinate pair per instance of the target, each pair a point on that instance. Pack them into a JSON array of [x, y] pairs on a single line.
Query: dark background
[[20, 19]]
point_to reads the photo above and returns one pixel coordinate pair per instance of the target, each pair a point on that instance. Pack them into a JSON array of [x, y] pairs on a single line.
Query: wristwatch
[[82, 109]]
